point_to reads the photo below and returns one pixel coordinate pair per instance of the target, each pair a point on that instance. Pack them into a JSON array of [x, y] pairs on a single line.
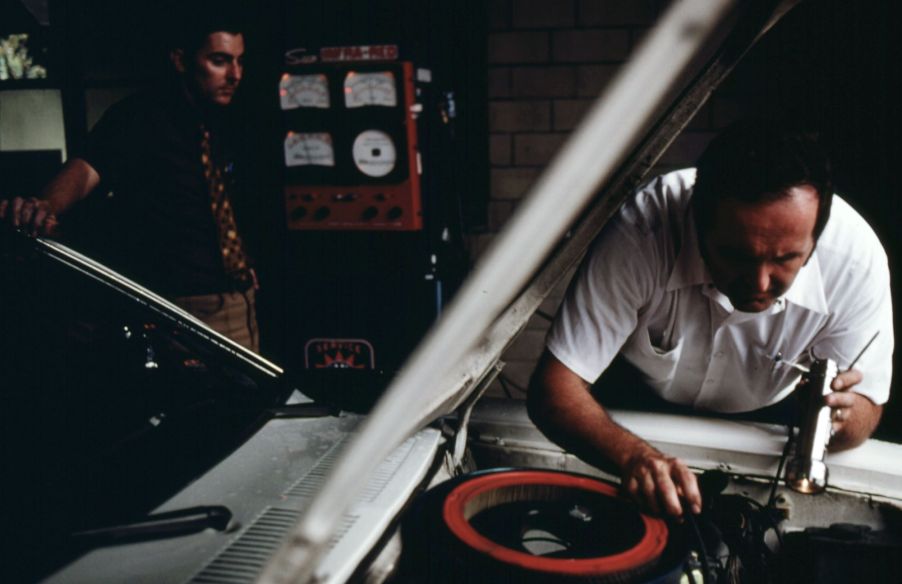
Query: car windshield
[[110, 402]]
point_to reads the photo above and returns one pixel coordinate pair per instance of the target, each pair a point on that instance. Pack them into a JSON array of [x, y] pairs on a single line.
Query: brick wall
[[547, 61]]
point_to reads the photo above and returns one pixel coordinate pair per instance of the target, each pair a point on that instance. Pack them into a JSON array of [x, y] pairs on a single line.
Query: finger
[[841, 399], [688, 486], [17, 207], [39, 220], [846, 379], [837, 427], [839, 416], [629, 487], [650, 494], [51, 224], [27, 212], [667, 491]]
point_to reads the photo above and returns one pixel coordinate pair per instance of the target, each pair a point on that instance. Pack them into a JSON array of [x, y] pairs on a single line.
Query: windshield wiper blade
[[304, 410], [161, 525]]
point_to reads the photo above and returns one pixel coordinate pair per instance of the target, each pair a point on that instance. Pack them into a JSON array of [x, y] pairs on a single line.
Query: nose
[[760, 277], [236, 70]]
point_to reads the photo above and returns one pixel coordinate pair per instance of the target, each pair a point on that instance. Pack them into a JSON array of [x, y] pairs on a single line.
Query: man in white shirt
[[708, 288]]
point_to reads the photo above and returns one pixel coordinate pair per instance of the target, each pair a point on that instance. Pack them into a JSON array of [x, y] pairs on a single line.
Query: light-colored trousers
[[233, 314]]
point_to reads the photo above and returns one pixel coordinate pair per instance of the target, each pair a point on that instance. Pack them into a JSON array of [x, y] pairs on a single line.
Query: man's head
[[208, 54], [762, 198]]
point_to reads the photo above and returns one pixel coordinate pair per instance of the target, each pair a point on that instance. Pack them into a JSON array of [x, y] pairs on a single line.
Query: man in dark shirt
[[164, 157]]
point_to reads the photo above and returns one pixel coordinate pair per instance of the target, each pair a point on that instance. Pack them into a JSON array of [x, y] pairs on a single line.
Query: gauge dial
[[374, 153], [362, 89], [309, 149], [297, 91]]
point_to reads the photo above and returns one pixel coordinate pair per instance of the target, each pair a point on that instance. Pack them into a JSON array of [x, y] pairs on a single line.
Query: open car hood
[[683, 59], [146, 447], [58, 252]]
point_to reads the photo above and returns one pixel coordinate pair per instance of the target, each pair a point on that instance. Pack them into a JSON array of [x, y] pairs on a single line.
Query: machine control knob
[[395, 213], [298, 213], [321, 213], [370, 213]]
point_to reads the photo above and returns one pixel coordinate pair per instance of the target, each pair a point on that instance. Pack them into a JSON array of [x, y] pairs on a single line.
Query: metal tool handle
[[806, 472]]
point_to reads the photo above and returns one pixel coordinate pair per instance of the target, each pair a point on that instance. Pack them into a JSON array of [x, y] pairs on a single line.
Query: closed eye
[[220, 59], [787, 258]]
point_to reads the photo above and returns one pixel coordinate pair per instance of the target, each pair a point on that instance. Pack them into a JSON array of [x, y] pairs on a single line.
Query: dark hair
[[200, 18], [759, 160]]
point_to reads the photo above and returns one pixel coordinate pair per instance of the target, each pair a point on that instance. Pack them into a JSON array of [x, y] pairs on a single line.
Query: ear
[[177, 57]]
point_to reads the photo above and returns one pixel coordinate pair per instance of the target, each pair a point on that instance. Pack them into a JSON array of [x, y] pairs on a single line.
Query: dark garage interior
[[357, 257], [827, 64]]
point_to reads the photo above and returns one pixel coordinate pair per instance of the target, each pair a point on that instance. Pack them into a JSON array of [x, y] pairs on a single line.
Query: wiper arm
[[304, 410], [162, 525]]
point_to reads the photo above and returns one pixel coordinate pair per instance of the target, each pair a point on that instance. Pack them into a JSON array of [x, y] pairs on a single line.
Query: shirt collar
[[807, 291], [689, 268]]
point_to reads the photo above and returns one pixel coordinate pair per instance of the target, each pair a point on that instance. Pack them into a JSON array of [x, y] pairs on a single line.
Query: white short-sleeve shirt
[[644, 291]]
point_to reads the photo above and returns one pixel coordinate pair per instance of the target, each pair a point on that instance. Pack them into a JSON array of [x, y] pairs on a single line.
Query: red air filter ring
[[648, 549]]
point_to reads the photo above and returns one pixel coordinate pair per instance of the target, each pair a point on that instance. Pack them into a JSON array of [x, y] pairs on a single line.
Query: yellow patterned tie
[[234, 259]]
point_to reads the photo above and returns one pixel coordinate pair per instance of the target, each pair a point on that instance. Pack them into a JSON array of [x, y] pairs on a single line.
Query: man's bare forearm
[[571, 417], [38, 215], [72, 184], [562, 406]]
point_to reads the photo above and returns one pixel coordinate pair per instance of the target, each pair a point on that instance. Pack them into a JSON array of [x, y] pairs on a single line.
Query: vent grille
[[311, 483], [244, 559], [385, 472], [347, 522]]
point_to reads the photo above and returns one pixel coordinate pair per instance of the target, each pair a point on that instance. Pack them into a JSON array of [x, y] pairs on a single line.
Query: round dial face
[[362, 89], [297, 91], [309, 149], [374, 153]]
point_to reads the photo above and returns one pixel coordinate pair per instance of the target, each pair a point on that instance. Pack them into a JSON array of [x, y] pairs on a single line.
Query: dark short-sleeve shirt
[[155, 203]]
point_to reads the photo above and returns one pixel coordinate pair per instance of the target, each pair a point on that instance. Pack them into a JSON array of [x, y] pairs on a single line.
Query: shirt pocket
[[656, 363], [769, 367]]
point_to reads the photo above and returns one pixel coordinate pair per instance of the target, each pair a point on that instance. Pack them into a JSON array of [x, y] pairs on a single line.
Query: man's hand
[[854, 416], [38, 216], [35, 216], [659, 483], [563, 408]]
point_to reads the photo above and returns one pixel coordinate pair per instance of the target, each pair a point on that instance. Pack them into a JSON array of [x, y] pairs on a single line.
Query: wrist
[[636, 450], [47, 205]]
